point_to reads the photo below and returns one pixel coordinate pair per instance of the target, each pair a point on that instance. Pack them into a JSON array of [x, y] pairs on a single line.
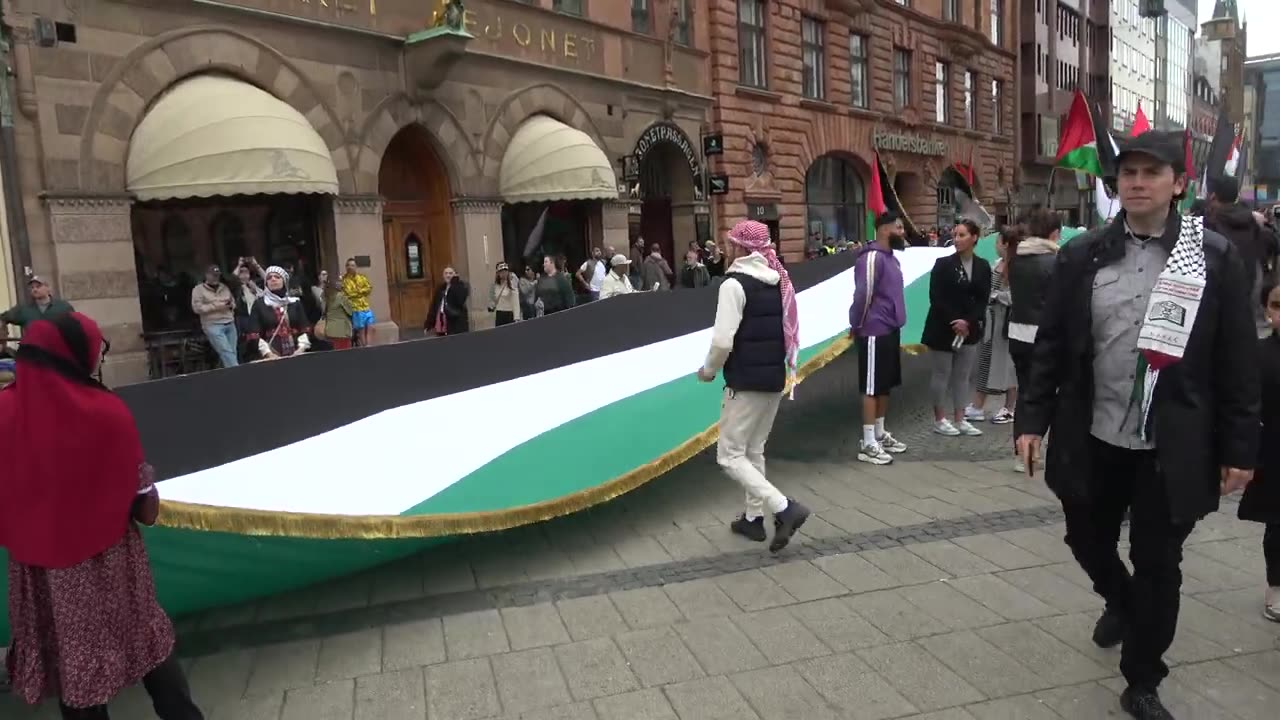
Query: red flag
[[875, 196], [1140, 122]]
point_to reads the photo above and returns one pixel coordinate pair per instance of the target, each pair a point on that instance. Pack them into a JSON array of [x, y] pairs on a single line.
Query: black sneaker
[[749, 529], [1109, 632], [786, 523], [1144, 704]]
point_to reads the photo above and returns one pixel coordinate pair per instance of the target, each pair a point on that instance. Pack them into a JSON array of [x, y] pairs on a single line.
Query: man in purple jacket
[[876, 318]]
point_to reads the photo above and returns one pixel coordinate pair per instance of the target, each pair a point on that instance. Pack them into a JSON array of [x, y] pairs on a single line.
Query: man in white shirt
[[591, 274], [617, 282]]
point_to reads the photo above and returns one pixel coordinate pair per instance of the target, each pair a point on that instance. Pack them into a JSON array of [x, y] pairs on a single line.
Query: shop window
[[752, 68], [836, 201], [229, 246], [813, 59], [859, 72]]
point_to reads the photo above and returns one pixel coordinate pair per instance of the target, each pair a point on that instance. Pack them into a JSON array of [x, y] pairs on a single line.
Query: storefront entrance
[[669, 180], [417, 224]]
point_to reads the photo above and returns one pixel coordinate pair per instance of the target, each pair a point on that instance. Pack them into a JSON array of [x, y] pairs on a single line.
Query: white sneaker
[[1019, 466], [944, 427], [964, 428], [1271, 605], [1003, 417], [873, 454], [974, 414], [891, 444]]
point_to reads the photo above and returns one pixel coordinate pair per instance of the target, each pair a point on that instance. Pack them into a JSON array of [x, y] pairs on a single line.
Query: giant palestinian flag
[[280, 475]]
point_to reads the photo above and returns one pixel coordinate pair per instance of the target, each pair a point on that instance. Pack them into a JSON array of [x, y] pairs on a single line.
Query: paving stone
[[1225, 629], [753, 590], [1021, 707], [241, 614], [350, 655], [955, 610], [1052, 589], [854, 572], [948, 714], [1012, 496], [1076, 631], [529, 680], [595, 558], [804, 582], [277, 668], [851, 520], [719, 646], [1190, 646], [999, 552], [903, 566], [651, 704], [1002, 598], [817, 529], [700, 599], [657, 657], [225, 675], [893, 515], [287, 606], [727, 542], [397, 582], [1042, 654], [591, 617], [595, 668], [258, 707], [839, 628], [641, 551], [498, 568], [546, 564], [709, 699], [892, 614], [1217, 574], [577, 711], [781, 694], [971, 501], [392, 696], [328, 701], [982, 665], [462, 690], [412, 645], [1090, 700], [646, 608], [534, 626], [838, 493], [1263, 667], [952, 558], [920, 677], [475, 634], [1227, 687], [1180, 700], [444, 574], [853, 688], [936, 509], [780, 636], [349, 593], [685, 544]]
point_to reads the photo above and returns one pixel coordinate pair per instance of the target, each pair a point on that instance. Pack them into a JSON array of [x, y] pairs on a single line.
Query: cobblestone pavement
[[936, 590]]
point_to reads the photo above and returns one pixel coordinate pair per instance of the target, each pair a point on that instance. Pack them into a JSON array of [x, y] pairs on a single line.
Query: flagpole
[[1052, 204]]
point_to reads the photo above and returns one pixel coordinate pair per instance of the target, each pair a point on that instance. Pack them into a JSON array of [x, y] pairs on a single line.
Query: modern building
[[1064, 47], [1133, 64], [1175, 53], [156, 137], [1262, 75], [807, 93]]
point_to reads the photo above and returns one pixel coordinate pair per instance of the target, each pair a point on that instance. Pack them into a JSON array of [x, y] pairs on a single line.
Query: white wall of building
[[1133, 64]]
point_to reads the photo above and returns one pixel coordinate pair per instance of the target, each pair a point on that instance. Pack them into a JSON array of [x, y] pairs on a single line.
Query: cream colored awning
[[212, 135], [548, 160]]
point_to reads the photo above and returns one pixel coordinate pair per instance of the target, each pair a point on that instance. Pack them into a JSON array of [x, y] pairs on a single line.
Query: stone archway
[[669, 188], [835, 200], [541, 99], [142, 76], [449, 141]]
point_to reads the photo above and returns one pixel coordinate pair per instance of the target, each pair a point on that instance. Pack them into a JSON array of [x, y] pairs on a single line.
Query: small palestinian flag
[[1078, 146], [875, 199]]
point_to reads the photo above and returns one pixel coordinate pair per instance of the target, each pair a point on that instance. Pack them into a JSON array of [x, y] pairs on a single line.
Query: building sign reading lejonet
[[892, 142], [556, 45]]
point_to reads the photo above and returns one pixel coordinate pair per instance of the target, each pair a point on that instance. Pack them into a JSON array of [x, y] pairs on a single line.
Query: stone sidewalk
[[922, 590]]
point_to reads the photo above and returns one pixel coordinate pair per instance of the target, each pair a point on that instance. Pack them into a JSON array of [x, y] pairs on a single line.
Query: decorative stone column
[[358, 233], [95, 271], [478, 248]]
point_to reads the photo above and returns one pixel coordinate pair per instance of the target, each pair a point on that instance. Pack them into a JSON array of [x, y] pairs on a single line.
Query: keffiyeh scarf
[[272, 299], [1171, 313]]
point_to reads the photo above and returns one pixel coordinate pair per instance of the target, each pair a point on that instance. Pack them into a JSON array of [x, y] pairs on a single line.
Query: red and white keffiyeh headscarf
[[754, 236]]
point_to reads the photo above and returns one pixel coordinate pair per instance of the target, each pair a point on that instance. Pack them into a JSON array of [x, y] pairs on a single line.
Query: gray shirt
[[1119, 301]]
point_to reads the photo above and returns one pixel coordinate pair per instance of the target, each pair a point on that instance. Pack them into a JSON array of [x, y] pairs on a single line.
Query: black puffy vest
[[758, 362]]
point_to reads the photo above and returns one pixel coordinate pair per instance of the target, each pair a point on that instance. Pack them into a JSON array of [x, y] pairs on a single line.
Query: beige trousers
[[745, 421]]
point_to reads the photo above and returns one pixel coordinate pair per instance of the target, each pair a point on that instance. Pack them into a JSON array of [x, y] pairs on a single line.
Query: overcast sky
[[1263, 17]]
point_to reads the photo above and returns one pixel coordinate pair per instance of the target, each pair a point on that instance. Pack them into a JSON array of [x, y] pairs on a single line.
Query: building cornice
[[357, 204], [477, 204], [70, 202]]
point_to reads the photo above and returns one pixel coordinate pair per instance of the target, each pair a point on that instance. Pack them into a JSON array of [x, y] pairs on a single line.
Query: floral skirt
[[84, 633]]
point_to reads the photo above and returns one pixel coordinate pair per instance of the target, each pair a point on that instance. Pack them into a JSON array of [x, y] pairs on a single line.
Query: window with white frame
[[859, 71], [941, 83], [752, 69], [813, 61], [970, 102]]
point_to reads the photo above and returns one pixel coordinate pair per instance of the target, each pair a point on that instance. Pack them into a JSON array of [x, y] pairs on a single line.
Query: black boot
[[1110, 630], [1144, 704], [786, 523], [170, 693], [749, 529]]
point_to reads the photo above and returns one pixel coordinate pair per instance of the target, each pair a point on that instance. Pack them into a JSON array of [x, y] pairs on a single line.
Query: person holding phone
[[1145, 369]]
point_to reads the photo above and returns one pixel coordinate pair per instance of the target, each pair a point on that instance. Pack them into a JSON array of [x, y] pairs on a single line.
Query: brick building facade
[[809, 85]]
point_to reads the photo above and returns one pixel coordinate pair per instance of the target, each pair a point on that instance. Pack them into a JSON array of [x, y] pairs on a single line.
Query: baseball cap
[[620, 259], [1165, 147], [36, 280]]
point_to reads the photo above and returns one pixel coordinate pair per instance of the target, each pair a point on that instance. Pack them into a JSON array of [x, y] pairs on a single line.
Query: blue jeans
[[222, 338]]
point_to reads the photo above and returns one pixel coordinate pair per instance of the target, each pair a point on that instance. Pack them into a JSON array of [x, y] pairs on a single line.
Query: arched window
[[228, 240], [836, 200]]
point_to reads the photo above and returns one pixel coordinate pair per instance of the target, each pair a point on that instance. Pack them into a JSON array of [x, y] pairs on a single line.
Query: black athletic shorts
[[879, 364]]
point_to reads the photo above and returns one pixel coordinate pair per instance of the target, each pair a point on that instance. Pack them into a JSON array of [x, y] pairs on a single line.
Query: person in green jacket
[[43, 306], [337, 317]]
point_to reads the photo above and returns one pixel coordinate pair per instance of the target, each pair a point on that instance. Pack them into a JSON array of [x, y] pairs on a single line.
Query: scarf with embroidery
[[271, 298], [1171, 313]]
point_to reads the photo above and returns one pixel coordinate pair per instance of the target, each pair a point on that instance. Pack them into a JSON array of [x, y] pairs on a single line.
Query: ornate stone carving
[[477, 205], [88, 203], [357, 204]]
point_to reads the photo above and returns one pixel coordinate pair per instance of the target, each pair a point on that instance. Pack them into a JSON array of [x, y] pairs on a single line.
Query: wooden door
[[409, 272], [655, 227]]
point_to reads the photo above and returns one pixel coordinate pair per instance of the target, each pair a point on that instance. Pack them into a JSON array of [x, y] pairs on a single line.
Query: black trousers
[[1020, 353], [503, 317], [1148, 601], [169, 691], [1271, 553]]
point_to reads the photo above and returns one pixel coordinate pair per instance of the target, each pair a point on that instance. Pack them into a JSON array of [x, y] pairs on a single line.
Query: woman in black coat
[[959, 289], [449, 306], [1261, 502]]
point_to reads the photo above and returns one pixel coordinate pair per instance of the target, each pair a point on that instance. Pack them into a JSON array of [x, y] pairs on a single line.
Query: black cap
[[1165, 147]]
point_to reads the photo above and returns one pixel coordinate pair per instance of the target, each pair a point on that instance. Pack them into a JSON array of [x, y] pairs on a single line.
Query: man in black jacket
[[1237, 223], [1143, 367]]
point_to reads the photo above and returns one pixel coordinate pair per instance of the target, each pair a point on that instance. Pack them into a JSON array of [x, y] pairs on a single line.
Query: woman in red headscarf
[[82, 604]]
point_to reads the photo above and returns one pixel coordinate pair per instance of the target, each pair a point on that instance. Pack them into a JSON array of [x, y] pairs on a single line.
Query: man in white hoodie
[[755, 341]]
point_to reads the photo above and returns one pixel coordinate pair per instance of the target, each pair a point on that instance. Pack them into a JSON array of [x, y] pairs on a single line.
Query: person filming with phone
[[1144, 369]]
